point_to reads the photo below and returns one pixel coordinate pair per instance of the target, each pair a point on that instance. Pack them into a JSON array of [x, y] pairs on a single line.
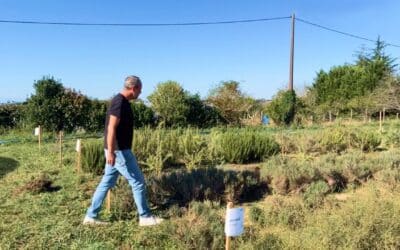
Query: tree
[[282, 107], [231, 102], [200, 114], [57, 108], [142, 115], [10, 114], [169, 102], [348, 86]]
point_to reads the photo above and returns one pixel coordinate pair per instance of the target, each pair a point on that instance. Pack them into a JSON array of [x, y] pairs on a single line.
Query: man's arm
[[112, 139]]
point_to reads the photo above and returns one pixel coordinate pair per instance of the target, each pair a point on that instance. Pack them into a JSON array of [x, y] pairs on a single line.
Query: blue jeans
[[126, 165]]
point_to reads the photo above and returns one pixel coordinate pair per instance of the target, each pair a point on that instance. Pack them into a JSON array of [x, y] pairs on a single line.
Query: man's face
[[136, 91]]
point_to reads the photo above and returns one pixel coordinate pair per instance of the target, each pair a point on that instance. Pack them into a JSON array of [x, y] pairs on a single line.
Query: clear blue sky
[[95, 60]]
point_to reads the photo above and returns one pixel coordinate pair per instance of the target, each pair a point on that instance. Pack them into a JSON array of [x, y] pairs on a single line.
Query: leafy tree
[[169, 102], [200, 114], [282, 107], [347, 86], [143, 115], [231, 102], [10, 114], [95, 118], [57, 108]]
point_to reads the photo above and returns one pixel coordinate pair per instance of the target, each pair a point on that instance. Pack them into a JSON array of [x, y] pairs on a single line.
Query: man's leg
[[128, 167], [108, 181]]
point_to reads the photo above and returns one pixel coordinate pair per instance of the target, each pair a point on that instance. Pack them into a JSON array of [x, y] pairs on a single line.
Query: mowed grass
[[365, 215]]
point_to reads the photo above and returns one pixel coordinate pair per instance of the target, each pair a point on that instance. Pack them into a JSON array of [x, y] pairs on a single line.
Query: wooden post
[[60, 142], [109, 200], [383, 116], [380, 121], [40, 136], [227, 238], [330, 116], [351, 115], [78, 150], [290, 87], [366, 116]]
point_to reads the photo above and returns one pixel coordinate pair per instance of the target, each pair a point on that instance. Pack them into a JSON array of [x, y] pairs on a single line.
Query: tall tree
[[169, 102], [230, 101]]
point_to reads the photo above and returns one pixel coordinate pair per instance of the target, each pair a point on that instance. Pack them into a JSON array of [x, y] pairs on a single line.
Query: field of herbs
[[322, 187]]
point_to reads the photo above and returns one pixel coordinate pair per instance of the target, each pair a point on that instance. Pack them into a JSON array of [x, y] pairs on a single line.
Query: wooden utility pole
[[290, 87]]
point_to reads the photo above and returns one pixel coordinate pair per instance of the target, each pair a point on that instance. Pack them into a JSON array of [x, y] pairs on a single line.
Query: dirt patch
[[40, 184]]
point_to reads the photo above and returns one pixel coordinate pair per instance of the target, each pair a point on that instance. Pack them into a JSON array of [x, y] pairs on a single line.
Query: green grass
[[365, 215]]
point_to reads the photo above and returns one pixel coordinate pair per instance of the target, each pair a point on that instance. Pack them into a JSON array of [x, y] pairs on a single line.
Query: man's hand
[[110, 158]]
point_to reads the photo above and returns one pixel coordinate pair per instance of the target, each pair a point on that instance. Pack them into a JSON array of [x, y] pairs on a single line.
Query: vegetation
[[304, 196]]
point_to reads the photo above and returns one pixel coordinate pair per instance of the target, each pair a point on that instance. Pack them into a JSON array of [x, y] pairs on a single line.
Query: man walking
[[118, 136]]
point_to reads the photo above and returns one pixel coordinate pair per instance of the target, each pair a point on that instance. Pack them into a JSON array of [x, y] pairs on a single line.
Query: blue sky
[[95, 60]]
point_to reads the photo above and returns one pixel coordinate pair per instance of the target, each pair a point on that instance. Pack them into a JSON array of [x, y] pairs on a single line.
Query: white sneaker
[[149, 221], [93, 221]]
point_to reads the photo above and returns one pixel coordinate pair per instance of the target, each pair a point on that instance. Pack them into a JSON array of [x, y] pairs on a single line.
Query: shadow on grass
[[7, 165]]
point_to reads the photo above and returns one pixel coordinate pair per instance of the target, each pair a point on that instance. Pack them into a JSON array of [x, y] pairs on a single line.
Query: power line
[[193, 24], [343, 33], [145, 24]]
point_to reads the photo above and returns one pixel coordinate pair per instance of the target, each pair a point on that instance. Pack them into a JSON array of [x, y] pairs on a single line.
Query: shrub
[[154, 148], [93, 158], [365, 140], [143, 115], [238, 146], [192, 148], [315, 193], [282, 107], [257, 216], [10, 115], [182, 187], [335, 139]]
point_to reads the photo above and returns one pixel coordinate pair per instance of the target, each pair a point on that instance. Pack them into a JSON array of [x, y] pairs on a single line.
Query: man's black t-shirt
[[121, 108]]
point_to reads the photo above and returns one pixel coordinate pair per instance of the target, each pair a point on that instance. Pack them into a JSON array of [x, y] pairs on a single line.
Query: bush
[[315, 193], [335, 140], [93, 158], [365, 140], [192, 148], [182, 187], [238, 146], [143, 115], [155, 148], [10, 115], [282, 107]]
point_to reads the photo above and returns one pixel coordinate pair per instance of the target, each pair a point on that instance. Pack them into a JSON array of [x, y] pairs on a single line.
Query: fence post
[[351, 115], [40, 136], [78, 150], [61, 133]]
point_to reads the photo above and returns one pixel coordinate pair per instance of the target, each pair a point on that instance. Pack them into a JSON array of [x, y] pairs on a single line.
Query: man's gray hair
[[132, 81]]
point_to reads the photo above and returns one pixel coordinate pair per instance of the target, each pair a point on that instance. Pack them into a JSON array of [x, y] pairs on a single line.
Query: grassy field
[[302, 210]]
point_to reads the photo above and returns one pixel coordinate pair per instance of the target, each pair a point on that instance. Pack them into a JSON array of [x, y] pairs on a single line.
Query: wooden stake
[[228, 239], [366, 115], [330, 116], [78, 150], [60, 142], [351, 114], [108, 200], [380, 121], [40, 136], [383, 116]]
